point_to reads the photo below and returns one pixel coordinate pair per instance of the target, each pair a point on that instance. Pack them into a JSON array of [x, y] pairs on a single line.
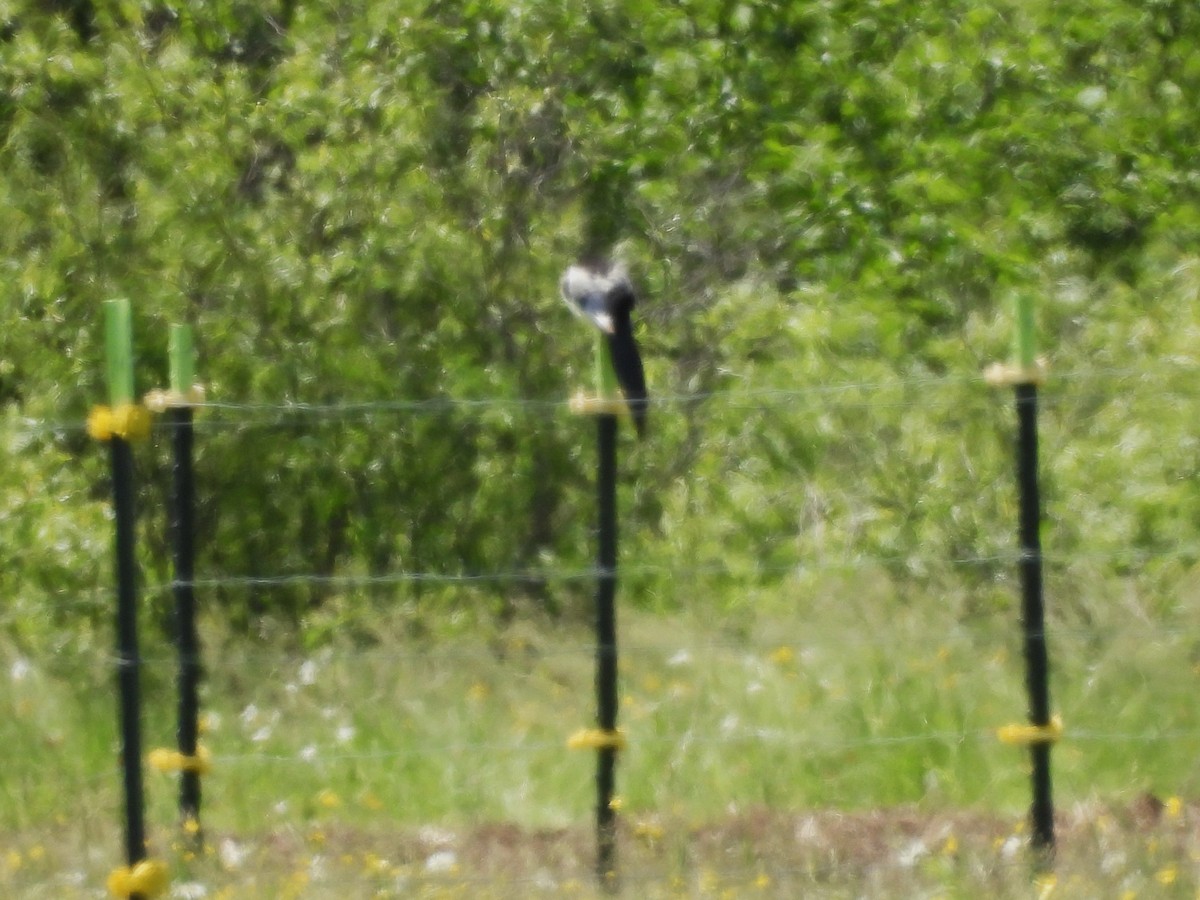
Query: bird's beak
[[604, 320]]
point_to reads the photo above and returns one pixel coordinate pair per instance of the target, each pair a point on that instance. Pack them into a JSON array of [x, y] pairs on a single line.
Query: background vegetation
[[829, 208], [372, 202]]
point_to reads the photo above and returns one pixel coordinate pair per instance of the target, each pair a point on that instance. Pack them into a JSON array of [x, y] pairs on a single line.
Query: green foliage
[[372, 202]]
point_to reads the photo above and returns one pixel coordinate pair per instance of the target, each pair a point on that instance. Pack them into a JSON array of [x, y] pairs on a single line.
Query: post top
[[1009, 374], [118, 346], [584, 404]]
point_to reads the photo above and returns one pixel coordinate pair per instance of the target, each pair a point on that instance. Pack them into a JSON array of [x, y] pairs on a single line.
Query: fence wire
[[229, 414], [218, 415], [637, 569], [313, 755]]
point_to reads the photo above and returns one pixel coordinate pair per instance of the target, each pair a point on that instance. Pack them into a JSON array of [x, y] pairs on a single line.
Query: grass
[[843, 747]]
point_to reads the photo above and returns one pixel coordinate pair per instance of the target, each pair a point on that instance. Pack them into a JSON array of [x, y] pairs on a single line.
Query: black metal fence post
[[119, 424], [606, 646], [1033, 612], [183, 555], [606, 406], [1024, 375], [128, 659]]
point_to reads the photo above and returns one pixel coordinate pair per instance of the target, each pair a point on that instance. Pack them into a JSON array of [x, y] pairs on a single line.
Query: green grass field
[[844, 749]]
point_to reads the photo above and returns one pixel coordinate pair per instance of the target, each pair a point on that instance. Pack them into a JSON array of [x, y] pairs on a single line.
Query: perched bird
[[603, 295]]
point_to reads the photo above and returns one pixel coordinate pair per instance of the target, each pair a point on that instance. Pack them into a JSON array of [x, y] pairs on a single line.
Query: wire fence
[[223, 414], [729, 740], [335, 754]]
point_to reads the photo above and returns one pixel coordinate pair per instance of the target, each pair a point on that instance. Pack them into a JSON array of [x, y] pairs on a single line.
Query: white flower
[[345, 734], [317, 868], [437, 837], [441, 861], [309, 753], [232, 854], [189, 890], [252, 716], [308, 672], [1011, 847], [911, 853], [20, 670]]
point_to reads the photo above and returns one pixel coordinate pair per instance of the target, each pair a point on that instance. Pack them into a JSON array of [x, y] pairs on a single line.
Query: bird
[[602, 294]]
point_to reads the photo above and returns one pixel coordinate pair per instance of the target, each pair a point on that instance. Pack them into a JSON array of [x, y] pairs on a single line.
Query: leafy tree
[[373, 201]]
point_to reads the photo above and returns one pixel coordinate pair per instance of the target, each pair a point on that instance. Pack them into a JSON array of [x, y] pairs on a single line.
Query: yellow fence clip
[[1027, 735], [127, 421], [597, 739], [1009, 374], [590, 405], [164, 760], [148, 878], [160, 401]]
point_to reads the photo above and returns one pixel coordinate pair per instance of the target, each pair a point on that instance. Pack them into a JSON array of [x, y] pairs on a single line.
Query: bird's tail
[[627, 364]]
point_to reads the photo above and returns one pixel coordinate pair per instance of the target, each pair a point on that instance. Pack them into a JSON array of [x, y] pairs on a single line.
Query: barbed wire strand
[[764, 397], [317, 756], [637, 570], [800, 568], [685, 657], [94, 595]]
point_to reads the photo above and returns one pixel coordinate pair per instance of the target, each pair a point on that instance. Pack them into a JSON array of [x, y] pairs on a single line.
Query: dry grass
[[1147, 849]]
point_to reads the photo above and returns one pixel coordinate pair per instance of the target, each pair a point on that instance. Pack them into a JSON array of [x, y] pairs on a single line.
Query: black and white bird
[[603, 295]]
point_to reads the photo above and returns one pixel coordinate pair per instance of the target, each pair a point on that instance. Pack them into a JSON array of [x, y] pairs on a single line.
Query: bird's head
[[591, 293]]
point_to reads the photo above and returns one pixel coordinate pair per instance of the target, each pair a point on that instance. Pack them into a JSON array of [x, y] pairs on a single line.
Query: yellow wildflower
[[783, 656], [329, 799]]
